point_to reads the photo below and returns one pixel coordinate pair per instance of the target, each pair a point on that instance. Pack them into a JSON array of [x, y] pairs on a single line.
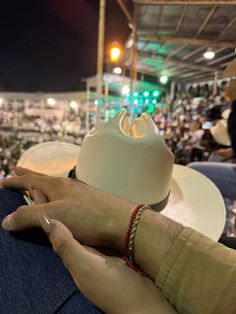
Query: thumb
[[64, 244]]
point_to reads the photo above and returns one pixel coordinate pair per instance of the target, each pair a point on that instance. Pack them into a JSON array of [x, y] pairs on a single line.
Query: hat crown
[[130, 160]]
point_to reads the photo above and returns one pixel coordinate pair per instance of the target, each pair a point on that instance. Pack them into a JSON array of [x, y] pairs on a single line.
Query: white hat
[[230, 91], [230, 69], [133, 162], [220, 133]]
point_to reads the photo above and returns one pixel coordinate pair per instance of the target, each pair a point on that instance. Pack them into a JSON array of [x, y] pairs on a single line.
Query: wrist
[[116, 226]]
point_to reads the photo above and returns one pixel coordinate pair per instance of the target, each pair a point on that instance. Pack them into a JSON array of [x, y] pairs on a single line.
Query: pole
[[106, 96], [215, 83], [134, 55], [87, 107], [172, 90], [101, 28], [172, 95]]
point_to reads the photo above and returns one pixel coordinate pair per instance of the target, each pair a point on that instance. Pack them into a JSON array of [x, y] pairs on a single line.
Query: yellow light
[[115, 54]]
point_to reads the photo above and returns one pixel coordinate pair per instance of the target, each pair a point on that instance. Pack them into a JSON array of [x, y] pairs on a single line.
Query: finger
[[39, 197], [20, 171], [98, 276], [30, 181], [70, 250], [27, 216]]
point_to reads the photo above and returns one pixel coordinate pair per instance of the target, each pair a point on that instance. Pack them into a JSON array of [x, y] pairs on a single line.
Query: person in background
[[223, 174]]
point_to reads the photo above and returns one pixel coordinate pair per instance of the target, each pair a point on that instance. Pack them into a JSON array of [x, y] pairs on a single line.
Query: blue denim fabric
[[222, 174], [32, 277]]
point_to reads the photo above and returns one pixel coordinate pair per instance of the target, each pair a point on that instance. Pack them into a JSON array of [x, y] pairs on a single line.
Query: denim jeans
[[33, 280], [222, 174]]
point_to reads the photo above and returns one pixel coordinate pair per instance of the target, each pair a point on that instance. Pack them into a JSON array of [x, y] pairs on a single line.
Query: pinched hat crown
[[130, 160]]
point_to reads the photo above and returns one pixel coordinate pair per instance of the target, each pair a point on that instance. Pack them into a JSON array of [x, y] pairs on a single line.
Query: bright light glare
[[51, 101], [73, 104], [146, 93], [115, 54], [156, 93], [130, 43], [117, 70], [1, 101], [125, 90], [164, 79], [96, 102], [209, 55], [136, 101], [135, 93]]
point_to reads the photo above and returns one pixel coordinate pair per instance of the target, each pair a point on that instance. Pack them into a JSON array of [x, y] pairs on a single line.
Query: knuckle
[[57, 181]]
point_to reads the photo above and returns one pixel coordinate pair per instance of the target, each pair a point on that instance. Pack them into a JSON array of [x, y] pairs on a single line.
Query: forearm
[[154, 238], [196, 273], [192, 271]]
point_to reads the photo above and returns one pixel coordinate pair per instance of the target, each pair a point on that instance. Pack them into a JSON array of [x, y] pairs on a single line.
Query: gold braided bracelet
[[131, 232]]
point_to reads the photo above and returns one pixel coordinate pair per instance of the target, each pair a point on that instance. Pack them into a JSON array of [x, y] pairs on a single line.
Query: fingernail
[[46, 223], [6, 223]]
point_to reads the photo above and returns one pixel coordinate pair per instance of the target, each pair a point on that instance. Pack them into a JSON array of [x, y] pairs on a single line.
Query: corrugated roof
[[173, 35]]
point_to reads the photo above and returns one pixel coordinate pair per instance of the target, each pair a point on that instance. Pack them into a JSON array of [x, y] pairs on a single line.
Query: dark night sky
[[50, 45]]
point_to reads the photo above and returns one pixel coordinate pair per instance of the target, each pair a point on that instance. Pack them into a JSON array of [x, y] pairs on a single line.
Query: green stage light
[[164, 79], [100, 102], [146, 101], [146, 93], [140, 100], [135, 93], [154, 101], [156, 93], [151, 108], [136, 101]]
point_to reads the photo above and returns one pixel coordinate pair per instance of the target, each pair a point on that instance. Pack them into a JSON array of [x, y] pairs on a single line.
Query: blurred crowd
[[185, 126], [21, 128]]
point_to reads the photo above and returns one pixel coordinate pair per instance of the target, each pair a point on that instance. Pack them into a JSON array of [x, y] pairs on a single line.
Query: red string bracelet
[[129, 238]]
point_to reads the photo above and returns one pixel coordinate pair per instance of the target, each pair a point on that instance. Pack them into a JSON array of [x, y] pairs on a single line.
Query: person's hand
[[95, 218], [224, 153], [106, 281]]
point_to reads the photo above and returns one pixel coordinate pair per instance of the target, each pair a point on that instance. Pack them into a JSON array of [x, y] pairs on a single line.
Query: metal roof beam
[[192, 53], [190, 74], [198, 77], [181, 18], [202, 58], [126, 12], [175, 51], [209, 15], [228, 26], [229, 55], [224, 64], [158, 2], [187, 40], [178, 62]]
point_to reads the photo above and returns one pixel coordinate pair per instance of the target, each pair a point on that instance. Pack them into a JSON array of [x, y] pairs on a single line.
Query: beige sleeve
[[198, 275]]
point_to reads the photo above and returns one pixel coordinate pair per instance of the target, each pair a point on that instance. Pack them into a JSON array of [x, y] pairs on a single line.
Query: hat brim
[[230, 69], [194, 200]]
